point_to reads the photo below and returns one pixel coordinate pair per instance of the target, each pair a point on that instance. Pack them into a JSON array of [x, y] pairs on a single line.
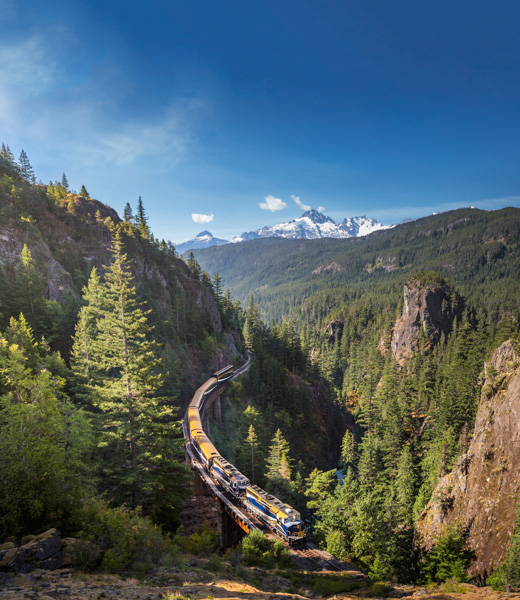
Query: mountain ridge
[[312, 224]]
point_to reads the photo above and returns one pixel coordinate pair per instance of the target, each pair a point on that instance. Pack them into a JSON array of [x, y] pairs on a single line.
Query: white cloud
[[273, 204], [202, 218], [28, 66], [320, 209], [300, 203]]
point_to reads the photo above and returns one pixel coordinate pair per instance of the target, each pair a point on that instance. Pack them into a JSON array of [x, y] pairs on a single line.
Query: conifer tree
[[405, 488], [26, 170], [252, 440], [128, 214], [141, 220], [29, 286], [83, 192], [65, 182], [137, 431], [278, 461], [8, 160], [83, 357]]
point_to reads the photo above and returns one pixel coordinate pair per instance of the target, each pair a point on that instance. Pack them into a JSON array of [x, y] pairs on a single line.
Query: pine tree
[[138, 432], [65, 182], [83, 357], [8, 161], [252, 441], [217, 289], [26, 170], [405, 488], [193, 266], [83, 192], [278, 461], [29, 289], [347, 449], [141, 220], [128, 214]]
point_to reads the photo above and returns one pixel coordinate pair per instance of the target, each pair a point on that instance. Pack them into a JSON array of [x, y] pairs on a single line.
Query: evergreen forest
[[105, 333]]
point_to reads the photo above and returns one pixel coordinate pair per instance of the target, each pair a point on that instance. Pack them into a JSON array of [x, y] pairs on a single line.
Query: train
[[278, 516]]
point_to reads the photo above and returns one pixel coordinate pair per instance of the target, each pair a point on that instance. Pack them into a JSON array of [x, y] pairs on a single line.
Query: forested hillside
[[477, 250], [104, 335], [403, 350]]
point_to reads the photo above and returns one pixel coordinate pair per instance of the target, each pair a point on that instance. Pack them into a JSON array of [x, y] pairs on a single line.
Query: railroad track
[[326, 564]]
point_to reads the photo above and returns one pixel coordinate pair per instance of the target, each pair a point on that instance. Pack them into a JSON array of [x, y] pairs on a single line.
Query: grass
[[323, 584]]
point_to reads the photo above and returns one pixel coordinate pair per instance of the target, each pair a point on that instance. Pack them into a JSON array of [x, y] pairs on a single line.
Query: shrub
[[448, 559], [380, 589], [200, 543], [129, 541], [260, 551]]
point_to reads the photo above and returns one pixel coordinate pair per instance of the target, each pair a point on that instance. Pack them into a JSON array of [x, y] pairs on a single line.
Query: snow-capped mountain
[[312, 225], [203, 240]]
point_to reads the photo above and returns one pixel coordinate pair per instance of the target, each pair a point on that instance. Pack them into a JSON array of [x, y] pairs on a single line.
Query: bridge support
[[230, 532], [199, 488], [217, 411]]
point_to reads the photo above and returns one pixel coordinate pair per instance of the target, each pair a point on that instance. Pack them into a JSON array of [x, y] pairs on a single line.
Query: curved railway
[[233, 499], [249, 505]]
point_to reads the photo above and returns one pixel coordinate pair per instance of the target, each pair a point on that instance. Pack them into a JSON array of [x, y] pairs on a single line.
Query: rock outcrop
[[46, 551], [430, 304], [481, 493], [42, 551]]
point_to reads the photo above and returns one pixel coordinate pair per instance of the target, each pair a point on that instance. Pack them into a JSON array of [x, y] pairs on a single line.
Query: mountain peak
[[204, 239], [316, 217]]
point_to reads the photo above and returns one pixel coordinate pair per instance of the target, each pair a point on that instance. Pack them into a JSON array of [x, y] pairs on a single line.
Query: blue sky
[[208, 107]]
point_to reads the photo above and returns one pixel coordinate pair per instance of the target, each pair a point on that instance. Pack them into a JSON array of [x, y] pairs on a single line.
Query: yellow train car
[[225, 373], [205, 450], [194, 420]]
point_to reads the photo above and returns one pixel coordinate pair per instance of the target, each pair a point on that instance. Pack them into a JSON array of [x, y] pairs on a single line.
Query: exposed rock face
[[42, 551], [335, 331], [430, 304], [481, 493]]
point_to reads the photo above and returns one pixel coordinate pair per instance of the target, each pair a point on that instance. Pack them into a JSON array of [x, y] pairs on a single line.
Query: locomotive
[[275, 514]]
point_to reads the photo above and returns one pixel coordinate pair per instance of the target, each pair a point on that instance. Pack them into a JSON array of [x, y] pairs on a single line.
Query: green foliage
[[43, 438], [130, 542], [380, 589], [260, 551], [324, 584], [448, 558], [117, 366], [506, 576], [199, 543]]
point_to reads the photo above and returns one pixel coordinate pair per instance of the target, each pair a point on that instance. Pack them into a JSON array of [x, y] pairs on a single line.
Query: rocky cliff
[[430, 304], [481, 493]]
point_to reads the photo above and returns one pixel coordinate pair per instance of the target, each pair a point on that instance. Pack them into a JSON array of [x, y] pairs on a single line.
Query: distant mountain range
[[311, 225]]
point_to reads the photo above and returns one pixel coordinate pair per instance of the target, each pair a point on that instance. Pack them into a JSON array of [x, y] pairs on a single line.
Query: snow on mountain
[[313, 225], [203, 240]]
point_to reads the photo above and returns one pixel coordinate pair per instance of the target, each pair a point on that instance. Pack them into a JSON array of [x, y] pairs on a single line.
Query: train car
[[205, 450], [194, 420], [225, 373], [280, 517], [229, 476]]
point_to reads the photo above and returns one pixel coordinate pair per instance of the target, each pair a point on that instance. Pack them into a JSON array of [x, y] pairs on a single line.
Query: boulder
[[39, 551]]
